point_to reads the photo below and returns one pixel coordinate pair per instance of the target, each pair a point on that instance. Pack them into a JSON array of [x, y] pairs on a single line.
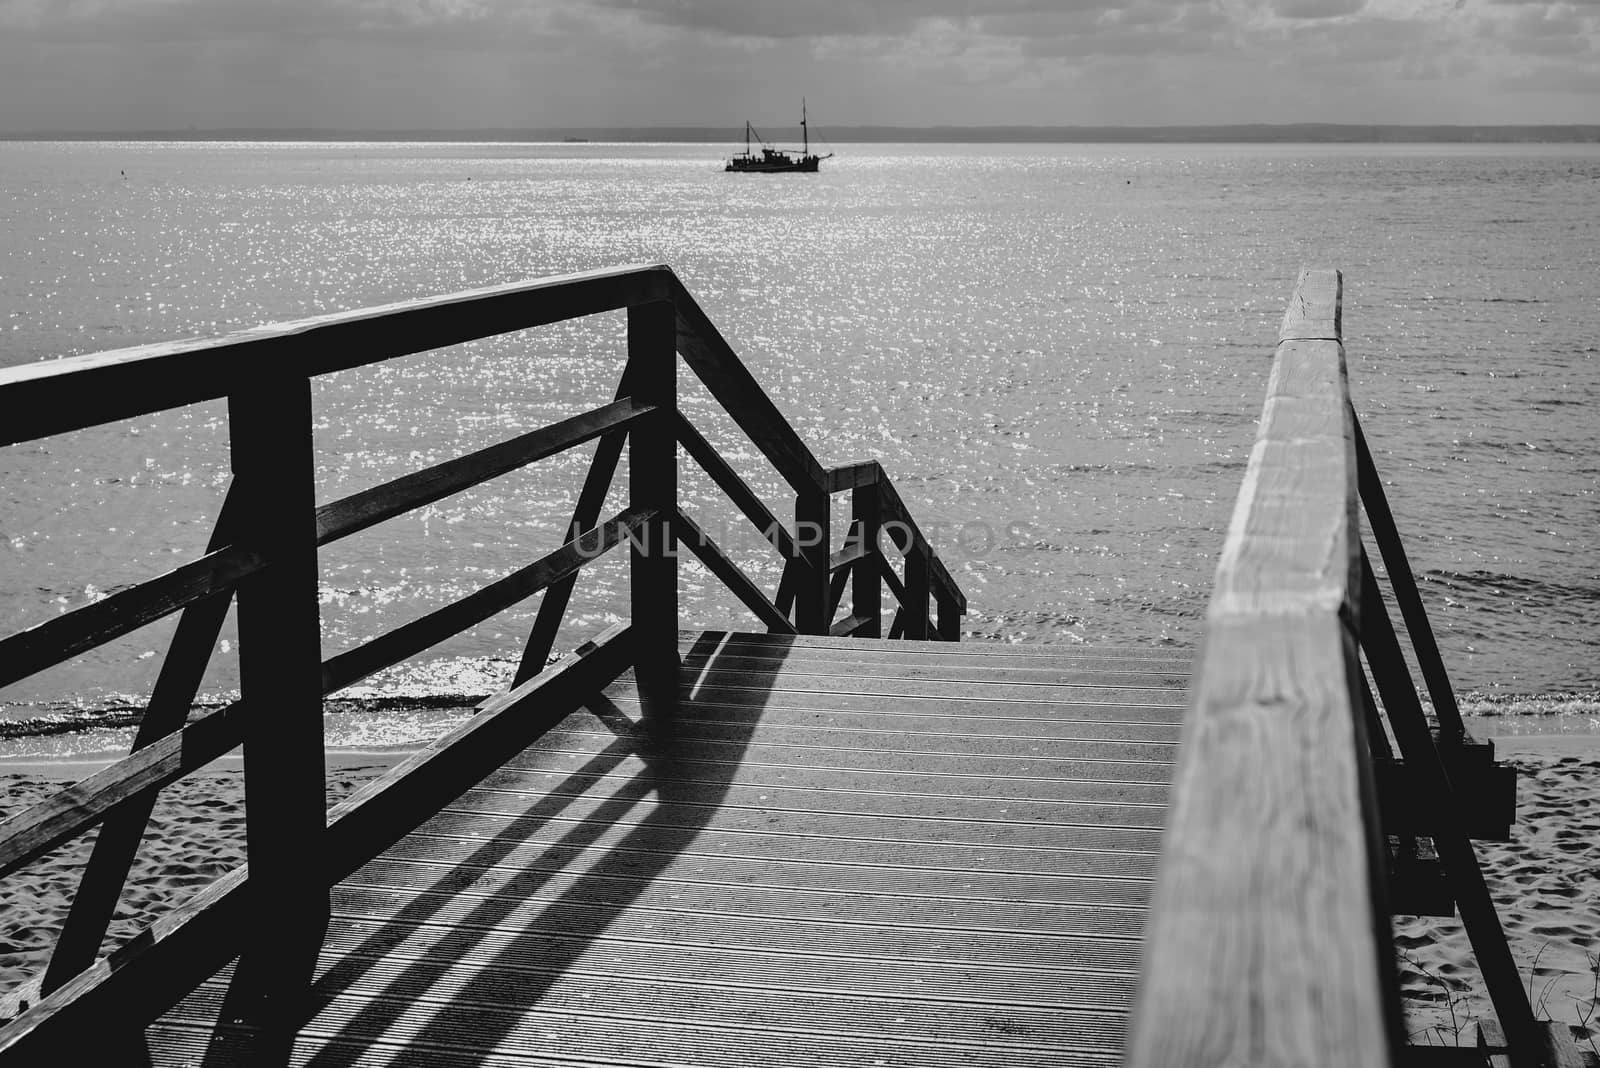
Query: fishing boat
[[769, 160]]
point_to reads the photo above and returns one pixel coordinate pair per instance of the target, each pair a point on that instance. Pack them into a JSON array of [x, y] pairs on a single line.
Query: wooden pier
[[805, 847], [840, 854]]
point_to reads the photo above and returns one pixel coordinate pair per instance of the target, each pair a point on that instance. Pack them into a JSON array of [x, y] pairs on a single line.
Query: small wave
[[1555, 703], [1509, 300], [1500, 583]]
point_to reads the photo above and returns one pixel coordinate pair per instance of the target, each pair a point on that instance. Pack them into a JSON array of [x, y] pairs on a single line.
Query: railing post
[[866, 589], [916, 605], [280, 682], [813, 534], [949, 617], [653, 483]]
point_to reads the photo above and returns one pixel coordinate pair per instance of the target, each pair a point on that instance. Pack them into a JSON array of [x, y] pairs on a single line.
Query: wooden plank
[[700, 543], [981, 690], [1314, 311], [653, 484], [280, 668], [55, 640], [1178, 658], [369, 507], [67, 813], [924, 668], [1280, 955], [55, 396], [713, 361], [411, 638], [417, 861], [738, 491], [831, 712], [510, 786]]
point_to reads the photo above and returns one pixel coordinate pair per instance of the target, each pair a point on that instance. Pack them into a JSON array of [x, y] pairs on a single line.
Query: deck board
[[845, 852]]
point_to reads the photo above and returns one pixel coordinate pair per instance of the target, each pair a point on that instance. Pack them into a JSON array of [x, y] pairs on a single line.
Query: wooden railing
[[1294, 832], [264, 551]]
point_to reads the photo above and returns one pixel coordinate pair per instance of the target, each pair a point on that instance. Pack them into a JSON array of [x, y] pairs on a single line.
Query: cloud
[[1316, 9]]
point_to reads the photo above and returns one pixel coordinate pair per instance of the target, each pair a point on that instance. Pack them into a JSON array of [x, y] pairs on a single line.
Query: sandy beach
[[1546, 882], [196, 834]]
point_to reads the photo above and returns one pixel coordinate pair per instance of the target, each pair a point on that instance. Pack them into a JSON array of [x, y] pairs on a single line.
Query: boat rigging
[[771, 160]]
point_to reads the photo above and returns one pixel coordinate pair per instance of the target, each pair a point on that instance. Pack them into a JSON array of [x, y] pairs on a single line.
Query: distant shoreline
[[1294, 133]]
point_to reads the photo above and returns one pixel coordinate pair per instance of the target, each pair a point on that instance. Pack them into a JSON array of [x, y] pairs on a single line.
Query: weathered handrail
[[1269, 940], [265, 552]]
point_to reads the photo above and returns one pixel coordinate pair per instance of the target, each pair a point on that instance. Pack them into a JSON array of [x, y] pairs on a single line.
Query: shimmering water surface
[[1057, 351]]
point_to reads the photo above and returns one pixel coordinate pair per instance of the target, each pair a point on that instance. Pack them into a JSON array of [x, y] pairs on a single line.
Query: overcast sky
[[145, 64]]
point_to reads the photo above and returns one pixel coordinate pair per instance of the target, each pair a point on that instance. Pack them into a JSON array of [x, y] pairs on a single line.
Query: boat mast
[[804, 133], [747, 137]]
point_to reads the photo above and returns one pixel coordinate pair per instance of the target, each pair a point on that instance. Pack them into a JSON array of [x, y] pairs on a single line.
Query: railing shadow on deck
[[512, 979], [264, 551]]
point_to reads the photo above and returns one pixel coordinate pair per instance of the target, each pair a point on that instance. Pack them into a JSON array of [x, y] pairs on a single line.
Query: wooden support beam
[[738, 491], [907, 537], [115, 847], [1387, 535], [1486, 796], [280, 668], [710, 554], [1433, 787], [866, 588], [788, 587], [916, 598], [592, 498], [813, 532], [714, 362], [949, 619], [653, 485]]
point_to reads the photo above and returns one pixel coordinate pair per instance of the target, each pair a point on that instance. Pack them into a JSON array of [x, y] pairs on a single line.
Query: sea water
[[1057, 352]]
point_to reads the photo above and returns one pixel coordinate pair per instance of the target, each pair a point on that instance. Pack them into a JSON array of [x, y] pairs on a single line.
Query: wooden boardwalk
[[846, 852]]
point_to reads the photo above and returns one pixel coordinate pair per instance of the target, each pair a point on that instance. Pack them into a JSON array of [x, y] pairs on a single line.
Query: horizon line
[[1314, 132]]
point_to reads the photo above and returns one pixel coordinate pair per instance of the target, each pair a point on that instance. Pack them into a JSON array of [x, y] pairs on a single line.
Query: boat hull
[[806, 165]]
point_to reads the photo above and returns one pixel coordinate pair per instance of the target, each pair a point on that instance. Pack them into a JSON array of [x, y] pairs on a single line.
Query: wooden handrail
[[55, 396], [1269, 939]]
